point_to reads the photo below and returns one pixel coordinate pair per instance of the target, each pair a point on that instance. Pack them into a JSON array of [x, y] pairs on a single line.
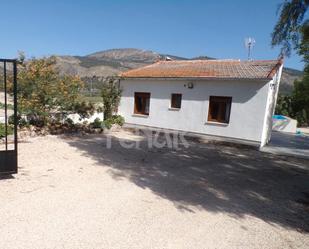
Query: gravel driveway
[[73, 192]]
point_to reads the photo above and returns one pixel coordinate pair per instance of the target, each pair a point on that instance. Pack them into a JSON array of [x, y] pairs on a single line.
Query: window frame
[[227, 100], [173, 102], [144, 96]]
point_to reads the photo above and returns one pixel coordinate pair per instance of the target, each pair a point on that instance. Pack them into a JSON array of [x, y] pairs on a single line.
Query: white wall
[[273, 87], [78, 120], [247, 112]]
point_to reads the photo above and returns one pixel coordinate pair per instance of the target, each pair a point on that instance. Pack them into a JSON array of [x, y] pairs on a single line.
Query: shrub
[[9, 106], [11, 119], [115, 119], [118, 119], [84, 109], [21, 122], [10, 130], [38, 121], [69, 122], [108, 123], [97, 123], [292, 106]]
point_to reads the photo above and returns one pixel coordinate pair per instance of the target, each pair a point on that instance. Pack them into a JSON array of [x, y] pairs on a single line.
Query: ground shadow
[[217, 177], [289, 140], [6, 177]]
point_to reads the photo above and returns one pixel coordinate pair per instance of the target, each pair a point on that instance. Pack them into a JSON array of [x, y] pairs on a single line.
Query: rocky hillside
[[111, 62], [114, 61], [106, 63], [288, 77]]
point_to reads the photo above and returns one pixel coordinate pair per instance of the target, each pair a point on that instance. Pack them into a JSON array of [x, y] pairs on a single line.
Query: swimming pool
[[279, 117]]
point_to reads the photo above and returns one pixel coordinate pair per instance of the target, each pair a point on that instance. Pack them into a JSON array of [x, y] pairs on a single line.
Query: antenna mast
[[249, 43]]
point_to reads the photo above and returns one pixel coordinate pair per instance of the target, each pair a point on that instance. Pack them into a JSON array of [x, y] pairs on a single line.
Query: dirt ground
[[77, 192]]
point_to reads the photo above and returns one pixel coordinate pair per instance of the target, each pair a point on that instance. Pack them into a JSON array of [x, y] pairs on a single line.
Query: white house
[[227, 98]]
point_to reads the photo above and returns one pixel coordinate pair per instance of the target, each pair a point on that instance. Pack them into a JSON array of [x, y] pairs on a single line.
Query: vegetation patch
[[10, 130], [108, 123], [46, 98], [291, 32], [9, 106]]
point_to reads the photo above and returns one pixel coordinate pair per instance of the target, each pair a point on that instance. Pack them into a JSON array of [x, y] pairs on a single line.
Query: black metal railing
[[8, 123]]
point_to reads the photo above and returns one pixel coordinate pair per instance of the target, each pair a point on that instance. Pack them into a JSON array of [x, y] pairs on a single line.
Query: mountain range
[[114, 61]]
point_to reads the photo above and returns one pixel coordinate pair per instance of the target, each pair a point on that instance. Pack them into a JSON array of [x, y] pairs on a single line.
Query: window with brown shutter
[[141, 103], [176, 100], [219, 109]]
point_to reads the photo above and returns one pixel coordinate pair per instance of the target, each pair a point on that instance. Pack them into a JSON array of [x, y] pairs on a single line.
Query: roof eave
[[276, 68], [196, 78]]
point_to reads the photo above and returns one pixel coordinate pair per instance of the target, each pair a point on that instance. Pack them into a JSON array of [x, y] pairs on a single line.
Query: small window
[[219, 109], [141, 103], [176, 100]]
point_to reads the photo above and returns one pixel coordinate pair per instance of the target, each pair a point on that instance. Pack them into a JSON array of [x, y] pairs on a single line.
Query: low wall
[[76, 118], [284, 124]]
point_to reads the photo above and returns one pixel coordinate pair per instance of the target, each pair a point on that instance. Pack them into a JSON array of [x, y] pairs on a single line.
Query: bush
[[284, 105], [9, 106], [108, 123], [69, 122], [10, 130], [291, 106], [21, 122], [115, 119], [38, 121], [11, 119], [84, 109], [97, 124]]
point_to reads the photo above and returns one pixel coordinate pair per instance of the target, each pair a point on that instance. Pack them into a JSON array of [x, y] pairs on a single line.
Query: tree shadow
[[288, 140], [215, 177]]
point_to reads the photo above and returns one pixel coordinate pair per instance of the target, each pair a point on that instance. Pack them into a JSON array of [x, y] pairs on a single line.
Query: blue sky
[[184, 28]]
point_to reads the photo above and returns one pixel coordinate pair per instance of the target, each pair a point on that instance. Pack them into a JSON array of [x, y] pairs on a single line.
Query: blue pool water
[[280, 117]]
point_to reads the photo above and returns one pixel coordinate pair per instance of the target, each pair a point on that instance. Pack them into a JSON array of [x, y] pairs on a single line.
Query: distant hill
[[105, 63], [114, 61], [288, 77]]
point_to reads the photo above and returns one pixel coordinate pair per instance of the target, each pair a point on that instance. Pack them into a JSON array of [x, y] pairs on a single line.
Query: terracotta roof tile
[[225, 69]]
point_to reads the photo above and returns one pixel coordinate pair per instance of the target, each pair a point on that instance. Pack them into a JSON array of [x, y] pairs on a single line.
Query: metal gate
[[8, 116]]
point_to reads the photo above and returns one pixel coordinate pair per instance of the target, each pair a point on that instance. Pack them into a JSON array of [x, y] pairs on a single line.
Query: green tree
[[284, 105], [111, 94], [42, 91], [300, 97], [292, 32], [303, 46], [287, 31]]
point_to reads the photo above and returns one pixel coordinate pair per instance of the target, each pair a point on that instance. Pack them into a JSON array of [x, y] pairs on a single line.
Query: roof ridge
[[257, 69], [216, 60]]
